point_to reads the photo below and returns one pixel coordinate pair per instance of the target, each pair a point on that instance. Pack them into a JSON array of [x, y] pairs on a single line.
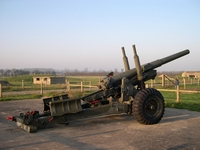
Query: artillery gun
[[122, 93]]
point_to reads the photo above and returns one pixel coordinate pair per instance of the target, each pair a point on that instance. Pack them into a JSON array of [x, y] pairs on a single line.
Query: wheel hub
[[151, 107]]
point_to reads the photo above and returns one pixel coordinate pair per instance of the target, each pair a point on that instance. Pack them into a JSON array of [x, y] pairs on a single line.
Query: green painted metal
[[116, 95], [125, 60], [130, 74]]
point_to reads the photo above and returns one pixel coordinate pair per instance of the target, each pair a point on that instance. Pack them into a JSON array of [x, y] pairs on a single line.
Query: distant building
[[4, 83], [49, 80], [194, 74]]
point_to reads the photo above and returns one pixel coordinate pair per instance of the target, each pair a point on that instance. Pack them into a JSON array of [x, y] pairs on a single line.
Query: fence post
[[22, 84], [177, 94], [184, 83], [90, 85], [163, 80], [66, 82], [1, 91], [68, 86], [81, 86], [41, 92], [147, 85]]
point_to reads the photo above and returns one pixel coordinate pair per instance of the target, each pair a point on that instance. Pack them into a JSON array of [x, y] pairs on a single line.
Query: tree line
[[19, 72], [67, 72]]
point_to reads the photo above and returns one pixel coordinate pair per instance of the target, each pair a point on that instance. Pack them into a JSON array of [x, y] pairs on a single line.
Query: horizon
[[86, 70]]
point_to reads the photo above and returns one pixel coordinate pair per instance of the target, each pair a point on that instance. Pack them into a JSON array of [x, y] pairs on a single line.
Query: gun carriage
[[122, 93]]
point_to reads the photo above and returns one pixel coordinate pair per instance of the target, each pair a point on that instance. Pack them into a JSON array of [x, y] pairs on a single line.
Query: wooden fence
[[184, 80], [82, 85], [178, 91]]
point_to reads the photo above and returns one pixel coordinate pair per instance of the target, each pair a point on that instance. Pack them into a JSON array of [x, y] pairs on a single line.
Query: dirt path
[[178, 130]]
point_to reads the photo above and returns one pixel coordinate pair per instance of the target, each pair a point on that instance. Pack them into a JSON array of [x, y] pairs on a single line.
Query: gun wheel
[[148, 106]]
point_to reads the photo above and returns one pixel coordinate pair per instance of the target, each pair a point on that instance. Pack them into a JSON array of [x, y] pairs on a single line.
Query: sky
[[89, 34]]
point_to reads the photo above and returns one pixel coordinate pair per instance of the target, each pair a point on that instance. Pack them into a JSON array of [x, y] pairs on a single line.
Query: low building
[[194, 74], [49, 80], [4, 83]]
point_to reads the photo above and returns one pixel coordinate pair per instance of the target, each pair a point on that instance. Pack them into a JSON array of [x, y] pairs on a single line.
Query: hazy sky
[[79, 34]]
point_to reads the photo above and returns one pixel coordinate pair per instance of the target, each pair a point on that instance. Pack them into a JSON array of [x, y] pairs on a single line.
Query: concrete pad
[[178, 130]]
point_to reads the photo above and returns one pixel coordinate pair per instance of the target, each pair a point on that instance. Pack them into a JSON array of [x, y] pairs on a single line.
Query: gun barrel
[[160, 62], [149, 66]]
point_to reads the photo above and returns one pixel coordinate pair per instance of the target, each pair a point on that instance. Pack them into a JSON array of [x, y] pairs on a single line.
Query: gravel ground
[[178, 130]]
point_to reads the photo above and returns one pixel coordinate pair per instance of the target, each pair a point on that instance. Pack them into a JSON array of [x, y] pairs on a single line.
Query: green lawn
[[187, 101]]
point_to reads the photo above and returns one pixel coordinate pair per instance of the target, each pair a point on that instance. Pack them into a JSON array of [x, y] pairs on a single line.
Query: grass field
[[16, 83], [187, 101]]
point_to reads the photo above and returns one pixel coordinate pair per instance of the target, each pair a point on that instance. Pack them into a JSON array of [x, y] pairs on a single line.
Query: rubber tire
[[148, 106]]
